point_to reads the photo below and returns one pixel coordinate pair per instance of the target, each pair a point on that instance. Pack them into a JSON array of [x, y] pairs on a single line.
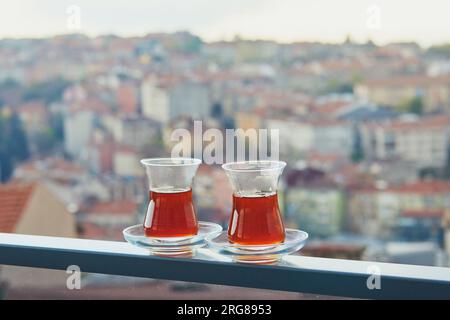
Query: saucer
[[171, 245], [260, 254]]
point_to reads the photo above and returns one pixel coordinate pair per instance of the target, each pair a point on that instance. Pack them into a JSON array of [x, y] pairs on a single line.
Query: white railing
[[295, 273]]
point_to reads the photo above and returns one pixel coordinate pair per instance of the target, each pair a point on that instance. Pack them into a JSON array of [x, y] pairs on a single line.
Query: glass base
[[182, 253], [258, 254], [261, 259], [171, 246]]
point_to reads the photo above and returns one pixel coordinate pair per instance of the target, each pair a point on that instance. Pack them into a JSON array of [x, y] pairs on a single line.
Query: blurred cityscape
[[365, 130]]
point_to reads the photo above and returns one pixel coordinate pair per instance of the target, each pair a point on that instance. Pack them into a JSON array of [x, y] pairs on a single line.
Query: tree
[[13, 145], [45, 141], [428, 172], [6, 166], [337, 86], [217, 110], [345, 88], [57, 124], [228, 122], [358, 150], [17, 143], [10, 92], [441, 50], [447, 165], [194, 45], [48, 91], [413, 105]]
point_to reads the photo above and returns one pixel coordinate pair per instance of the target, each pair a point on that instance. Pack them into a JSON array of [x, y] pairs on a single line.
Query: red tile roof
[[52, 164], [93, 231], [314, 156], [34, 108], [331, 107], [309, 177], [439, 122], [426, 213], [90, 104], [13, 200], [423, 187], [124, 149], [415, 80], [115, 207]]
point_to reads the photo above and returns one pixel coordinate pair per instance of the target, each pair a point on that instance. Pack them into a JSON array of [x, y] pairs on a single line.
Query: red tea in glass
[[170, 211], [255, 218], [170, 215], [256, 221]]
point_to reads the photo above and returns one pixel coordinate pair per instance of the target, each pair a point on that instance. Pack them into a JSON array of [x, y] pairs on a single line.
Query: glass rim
[[278, 165], [169, 162]]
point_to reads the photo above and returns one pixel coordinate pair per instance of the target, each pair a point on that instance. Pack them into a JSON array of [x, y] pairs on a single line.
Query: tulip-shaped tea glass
[[170, 226], [256, 232], [170, 210], [255, 217]]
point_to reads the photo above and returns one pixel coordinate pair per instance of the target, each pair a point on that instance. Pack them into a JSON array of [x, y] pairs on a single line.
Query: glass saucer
[[168, 246], [260, 254]]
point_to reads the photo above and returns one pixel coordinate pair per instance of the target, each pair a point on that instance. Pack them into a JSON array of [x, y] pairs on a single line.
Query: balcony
[[322, 276]]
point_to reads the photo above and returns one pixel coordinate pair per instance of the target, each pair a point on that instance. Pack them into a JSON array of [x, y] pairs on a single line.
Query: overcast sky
[[424, 21]]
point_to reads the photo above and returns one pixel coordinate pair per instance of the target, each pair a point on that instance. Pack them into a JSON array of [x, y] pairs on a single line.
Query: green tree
[[48, 91], [447, 165], [217, 110], [442, 50], [57, 124], [6, 166], [45, 141], [17, 143], [358, 150], [10, 92], [429, 172], [13, 145], [337, 86], [194, 45], [413, 105]]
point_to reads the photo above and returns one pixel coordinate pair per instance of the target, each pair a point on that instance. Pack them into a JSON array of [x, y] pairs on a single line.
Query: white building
[[425, 141], [78, 127], [126, 162], [328, 137], [165, 99], [334, 137], [294, 135], [133, 131]]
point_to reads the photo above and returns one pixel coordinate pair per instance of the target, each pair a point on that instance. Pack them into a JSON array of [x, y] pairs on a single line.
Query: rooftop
[[413, 124], [422, 187], [13, 198], [414, 80], [426, 213], [311, 177], [123, 207]]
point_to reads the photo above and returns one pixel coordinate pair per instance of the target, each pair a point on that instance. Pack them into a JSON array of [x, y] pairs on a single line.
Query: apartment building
[[166, 98], [377, 211], [435, 91], [425, 141]]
